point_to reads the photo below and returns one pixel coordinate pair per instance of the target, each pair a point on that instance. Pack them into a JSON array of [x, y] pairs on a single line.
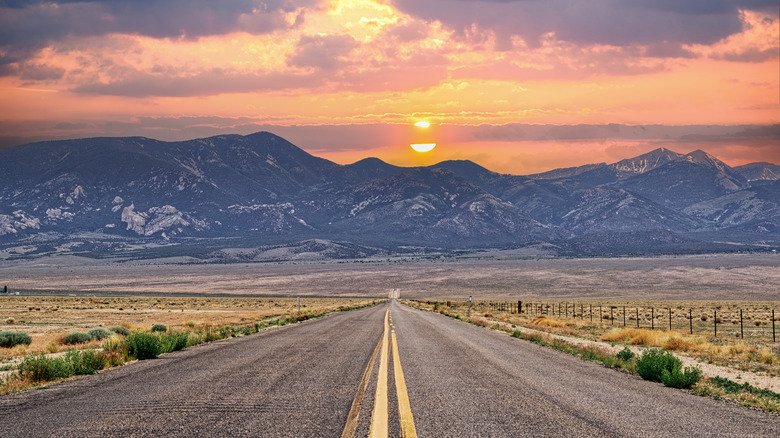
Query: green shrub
[[144, 345], [159, 328], [677, 378], [654, 361], [85, 362], [226, 332], [120, 330], [100, 333], [665, 367], [625, 354], [174, 341], [77, 338], [42, 369], [12, 339]]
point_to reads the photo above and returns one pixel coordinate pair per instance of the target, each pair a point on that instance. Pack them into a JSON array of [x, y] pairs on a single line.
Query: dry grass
[[49, 319], [668, 340], [544, 321], [755, 353], [766, 356]]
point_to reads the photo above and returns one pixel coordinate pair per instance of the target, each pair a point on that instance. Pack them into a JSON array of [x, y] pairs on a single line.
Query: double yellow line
[[379, 417]]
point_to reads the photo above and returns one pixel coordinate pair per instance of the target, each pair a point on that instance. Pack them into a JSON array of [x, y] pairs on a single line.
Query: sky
[[518, 86]]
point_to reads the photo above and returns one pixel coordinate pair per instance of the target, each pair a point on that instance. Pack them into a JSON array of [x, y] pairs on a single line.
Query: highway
[[387, 370]]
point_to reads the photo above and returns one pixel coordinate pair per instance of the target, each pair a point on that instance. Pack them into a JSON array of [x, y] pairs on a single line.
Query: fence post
[[716, 320], [637, 316], [299, 304], [624, 316], [741, 330], [690, 317], [601, 315], [469, 312], [670, 317], [773, 322], [591, 312], [519, 307], [652, 317]]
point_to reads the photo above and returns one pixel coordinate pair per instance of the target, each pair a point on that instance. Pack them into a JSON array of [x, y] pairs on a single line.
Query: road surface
[[388, 370]]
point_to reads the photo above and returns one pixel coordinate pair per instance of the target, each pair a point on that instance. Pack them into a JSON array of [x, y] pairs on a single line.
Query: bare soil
[[731, 277]]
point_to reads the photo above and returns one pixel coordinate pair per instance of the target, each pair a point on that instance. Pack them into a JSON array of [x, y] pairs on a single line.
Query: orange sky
[[515, 86]]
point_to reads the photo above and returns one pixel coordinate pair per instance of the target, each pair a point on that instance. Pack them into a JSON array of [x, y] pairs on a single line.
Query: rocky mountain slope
[[260, 191]]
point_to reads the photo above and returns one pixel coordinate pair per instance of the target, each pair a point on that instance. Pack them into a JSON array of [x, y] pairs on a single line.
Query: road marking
[[379, 416], [357, 403], [404, 408]]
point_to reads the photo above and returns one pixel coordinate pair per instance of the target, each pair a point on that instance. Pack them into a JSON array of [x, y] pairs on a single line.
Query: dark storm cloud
[[615, 22], [26, 26]]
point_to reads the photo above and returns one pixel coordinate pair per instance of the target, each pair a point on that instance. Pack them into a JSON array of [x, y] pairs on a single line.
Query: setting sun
[[422, 124], [423, 147]]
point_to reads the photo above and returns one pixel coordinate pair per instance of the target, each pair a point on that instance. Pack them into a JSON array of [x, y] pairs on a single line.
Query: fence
[[742, 320]]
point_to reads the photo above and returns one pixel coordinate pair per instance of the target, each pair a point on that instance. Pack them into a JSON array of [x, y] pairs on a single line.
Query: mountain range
[[235, 197]]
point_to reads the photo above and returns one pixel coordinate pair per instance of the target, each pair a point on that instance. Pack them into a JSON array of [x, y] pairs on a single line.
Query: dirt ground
[[733, 277]]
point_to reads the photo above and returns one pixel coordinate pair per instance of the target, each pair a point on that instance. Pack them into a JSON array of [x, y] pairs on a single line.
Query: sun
[[423, 147]]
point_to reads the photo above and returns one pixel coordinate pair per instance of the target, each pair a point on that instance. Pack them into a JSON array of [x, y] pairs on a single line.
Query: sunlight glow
[[422, 124], [423, 147]]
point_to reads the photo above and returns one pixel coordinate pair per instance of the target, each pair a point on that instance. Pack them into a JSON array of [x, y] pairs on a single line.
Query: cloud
[[27, 26], [751, 54], [40, 72], [323, 52], [211, 82], [612, 22]]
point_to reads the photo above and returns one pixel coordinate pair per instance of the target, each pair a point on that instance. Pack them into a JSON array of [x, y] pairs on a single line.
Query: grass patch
[[174, 341], [43, 369], [36, 369], [85, 362], [744, 393]]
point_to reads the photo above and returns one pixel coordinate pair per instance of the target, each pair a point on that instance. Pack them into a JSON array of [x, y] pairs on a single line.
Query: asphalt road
[[305, 380]]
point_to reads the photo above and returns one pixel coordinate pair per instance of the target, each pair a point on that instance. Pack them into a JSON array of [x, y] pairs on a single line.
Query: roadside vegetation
[[99, 348], [657, 361]]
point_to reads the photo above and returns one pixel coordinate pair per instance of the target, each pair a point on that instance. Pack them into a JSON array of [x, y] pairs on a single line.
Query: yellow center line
[[357, 403], [379, 416], [404, 408]]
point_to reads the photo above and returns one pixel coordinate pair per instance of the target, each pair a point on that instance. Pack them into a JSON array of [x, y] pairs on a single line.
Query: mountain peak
[[464, 168], [700, 157], [645, 162]]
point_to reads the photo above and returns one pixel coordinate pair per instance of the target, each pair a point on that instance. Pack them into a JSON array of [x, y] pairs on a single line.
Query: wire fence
[[736, 320]]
